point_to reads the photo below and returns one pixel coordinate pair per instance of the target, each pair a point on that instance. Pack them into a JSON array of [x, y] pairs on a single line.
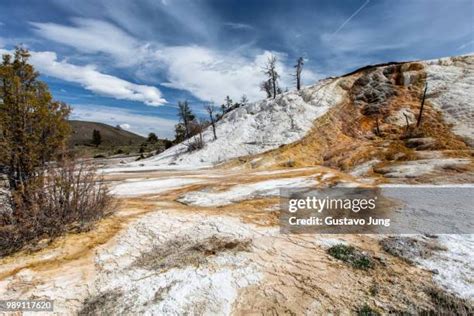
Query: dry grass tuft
[[179, 253]]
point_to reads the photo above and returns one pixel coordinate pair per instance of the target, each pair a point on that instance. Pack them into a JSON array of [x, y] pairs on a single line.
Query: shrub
[[68, 197], [445, 303], [366, 310], [195, 144], [168, 143], [351, 255]]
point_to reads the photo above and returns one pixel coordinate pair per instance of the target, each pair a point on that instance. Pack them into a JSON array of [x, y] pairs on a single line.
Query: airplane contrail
[[351, 17]]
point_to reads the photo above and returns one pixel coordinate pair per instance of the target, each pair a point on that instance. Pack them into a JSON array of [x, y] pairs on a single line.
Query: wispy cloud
[[238, 26], [93, 36], [93, 80], [126, 118], [207, 73]]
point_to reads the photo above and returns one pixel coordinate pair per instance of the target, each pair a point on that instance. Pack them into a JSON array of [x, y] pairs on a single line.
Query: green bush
[[351, 255], [366, 310]]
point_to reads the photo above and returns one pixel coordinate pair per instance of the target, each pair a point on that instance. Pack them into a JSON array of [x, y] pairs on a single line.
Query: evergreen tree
[[152, 138], [33, 127], [180, 133], [96, 138], [227, 105]]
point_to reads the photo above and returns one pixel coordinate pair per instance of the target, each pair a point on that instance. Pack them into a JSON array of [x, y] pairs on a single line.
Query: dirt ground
[[294, 273]]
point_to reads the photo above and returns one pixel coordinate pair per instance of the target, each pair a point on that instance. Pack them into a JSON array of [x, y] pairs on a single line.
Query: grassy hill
[[114, 141], [111, 136]]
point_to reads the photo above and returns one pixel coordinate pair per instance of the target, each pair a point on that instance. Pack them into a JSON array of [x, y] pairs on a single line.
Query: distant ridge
[[111, 136]]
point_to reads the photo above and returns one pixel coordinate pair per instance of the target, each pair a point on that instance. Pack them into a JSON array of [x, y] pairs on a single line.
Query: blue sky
[[128, 63]]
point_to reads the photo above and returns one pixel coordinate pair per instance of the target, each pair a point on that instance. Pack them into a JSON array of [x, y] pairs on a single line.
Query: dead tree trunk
[[210, 110], [418, 123], [274, 84], [299, 69], [271, 72]]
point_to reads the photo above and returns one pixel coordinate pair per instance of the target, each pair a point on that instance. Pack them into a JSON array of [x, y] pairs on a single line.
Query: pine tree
[[33, 127], [180, 133], [96, 138], [152, 138], [227, 105]]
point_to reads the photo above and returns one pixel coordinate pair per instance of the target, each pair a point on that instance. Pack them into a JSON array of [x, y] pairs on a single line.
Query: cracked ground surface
[[160, 255]]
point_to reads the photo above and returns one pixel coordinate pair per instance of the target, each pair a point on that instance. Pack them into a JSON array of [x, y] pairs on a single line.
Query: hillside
[[334, 123], [111, 136]]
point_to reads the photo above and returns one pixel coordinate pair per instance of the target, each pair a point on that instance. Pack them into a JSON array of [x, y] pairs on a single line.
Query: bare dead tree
[[186, 116], [210, 111], [273, 76], [418, 123], [197, 142], [267, 87], [299, 69]]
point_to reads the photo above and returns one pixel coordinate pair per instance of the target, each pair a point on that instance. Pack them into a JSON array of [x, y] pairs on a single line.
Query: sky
[[128, 63]]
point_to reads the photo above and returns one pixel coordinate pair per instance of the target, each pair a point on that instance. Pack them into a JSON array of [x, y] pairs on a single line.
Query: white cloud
[[212, 75], [127, 119], [309, 77], [206, 73], [95, 81], [94, 36], [125, 126]]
